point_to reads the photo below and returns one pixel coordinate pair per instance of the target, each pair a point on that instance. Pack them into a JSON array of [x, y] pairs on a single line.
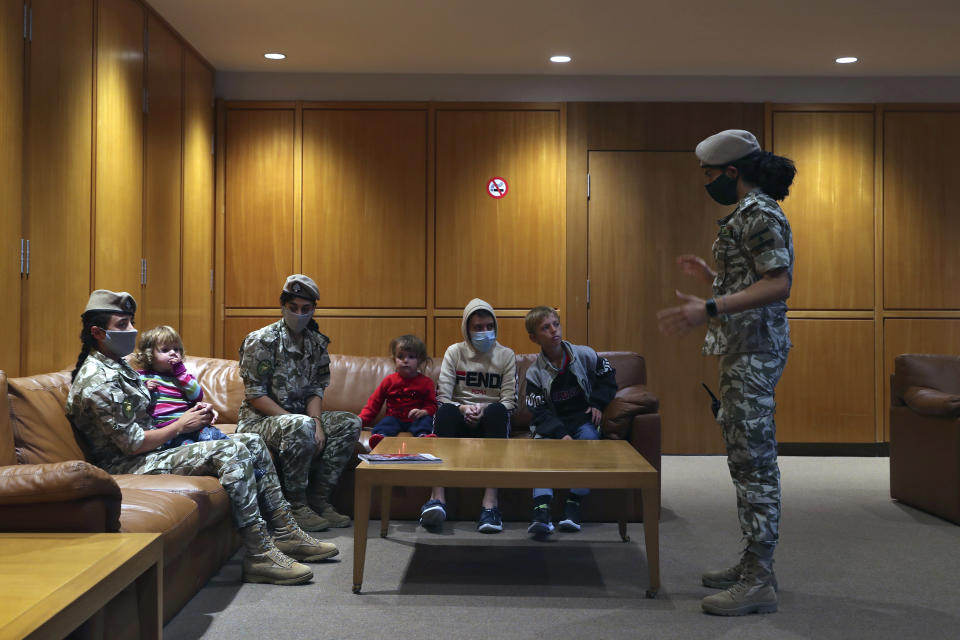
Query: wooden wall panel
[[354, 336], [915, 335], [58, 181], [827, 390], [11, 179], [510, 333], [364, 206], [162, 180], [118, 192], [196, 286], [830, 206], [260, 206], [508, 251], [645, 209], [920, 233]]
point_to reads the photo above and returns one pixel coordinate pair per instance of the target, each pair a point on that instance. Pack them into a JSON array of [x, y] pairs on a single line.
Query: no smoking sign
[[497, 188]]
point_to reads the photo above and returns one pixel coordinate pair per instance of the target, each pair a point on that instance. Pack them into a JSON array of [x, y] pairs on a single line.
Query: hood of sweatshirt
[[476, 305]]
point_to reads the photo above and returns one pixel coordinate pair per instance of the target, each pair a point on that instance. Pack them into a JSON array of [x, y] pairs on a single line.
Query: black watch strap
[[711, 305]]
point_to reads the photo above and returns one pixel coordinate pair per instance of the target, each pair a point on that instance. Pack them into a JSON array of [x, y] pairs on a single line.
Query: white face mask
[[296, 322], [120, 343], [483, 341]]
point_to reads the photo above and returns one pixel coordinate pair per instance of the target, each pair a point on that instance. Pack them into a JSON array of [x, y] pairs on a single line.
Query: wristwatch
[[711, 305]]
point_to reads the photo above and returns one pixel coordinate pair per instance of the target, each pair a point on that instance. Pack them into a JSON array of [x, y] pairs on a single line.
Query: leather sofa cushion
[[7, 451], [932, 402], [933, 371], [222, 386], [205, 491], [174, 516], [629, 401], [41, 430]]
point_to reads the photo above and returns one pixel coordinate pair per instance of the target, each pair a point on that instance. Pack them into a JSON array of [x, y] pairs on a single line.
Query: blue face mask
[[483, 341], [120, 343], [296, 322]]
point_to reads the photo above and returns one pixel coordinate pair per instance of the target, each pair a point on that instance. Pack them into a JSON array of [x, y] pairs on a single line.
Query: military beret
[[112, 301], [302, 287], [725, 147]]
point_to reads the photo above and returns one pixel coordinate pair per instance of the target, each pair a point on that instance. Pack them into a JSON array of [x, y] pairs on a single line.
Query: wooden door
[[645, 209], [58, 181], [160, 303], [11, 178], [118, 195], [196, 288]]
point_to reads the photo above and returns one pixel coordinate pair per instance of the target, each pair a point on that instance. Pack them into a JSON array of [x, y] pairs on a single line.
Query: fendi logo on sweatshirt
[[479, 379]]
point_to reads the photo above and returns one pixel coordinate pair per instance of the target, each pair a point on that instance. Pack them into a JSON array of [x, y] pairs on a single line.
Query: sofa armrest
[[60, 496], [629, 402], [930, 402]]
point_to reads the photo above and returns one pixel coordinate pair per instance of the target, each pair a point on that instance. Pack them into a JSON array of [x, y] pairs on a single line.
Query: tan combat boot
[[264, 563], [753, 592], [327, 512], [308, 519], [726, 578], [291, 539]]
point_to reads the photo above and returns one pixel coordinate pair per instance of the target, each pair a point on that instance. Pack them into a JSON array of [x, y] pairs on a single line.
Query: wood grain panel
[[508, 251], [350, 336], [58, 175], [827, 390], [259, 206], [162, 180], [118, 204], [11, 178], [645, 209], [196, 288], [920, 234], [915, 335], [364, 206], [511, 333], [830, 206]]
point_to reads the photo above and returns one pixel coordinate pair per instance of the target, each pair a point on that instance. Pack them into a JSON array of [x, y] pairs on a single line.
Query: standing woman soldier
[[285, 369], [747, 328], [109, 404]]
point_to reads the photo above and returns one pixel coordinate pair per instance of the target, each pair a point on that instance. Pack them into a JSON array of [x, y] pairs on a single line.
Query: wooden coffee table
[[50, 583], [519, 463]]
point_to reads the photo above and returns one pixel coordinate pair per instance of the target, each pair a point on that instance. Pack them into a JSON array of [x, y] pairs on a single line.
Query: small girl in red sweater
[[410, 396]]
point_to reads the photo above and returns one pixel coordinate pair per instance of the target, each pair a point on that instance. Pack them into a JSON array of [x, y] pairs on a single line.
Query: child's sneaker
[[432, 514], [427, 435], [374, 440], [490, 521], [540, 524], [571, 516]]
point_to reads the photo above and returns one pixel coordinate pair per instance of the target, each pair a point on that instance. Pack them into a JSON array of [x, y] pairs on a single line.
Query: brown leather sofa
[[46, 485], [925, 433]]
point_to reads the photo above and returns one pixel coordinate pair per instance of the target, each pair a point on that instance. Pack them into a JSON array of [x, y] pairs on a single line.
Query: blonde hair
[[161, 336], [414, 345], [537, 315]]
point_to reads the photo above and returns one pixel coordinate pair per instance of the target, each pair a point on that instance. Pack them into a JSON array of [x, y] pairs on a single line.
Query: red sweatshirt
[[402, 395]]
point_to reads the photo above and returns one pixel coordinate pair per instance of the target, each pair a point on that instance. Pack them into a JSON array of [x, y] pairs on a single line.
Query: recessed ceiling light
[[560, 58], [847, 60], [274, 56]]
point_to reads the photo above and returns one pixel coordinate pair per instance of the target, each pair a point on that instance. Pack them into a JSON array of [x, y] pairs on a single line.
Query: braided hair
[[286, 297], [90, 319]]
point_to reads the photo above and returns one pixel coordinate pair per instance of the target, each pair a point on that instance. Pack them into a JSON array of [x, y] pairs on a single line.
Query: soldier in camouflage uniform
[[109, 404], [285, 369], [748, 330]]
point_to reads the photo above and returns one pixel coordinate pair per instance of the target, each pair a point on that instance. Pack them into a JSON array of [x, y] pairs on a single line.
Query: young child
[[410, 396], [477, 392], [568, 387], [173, 391]]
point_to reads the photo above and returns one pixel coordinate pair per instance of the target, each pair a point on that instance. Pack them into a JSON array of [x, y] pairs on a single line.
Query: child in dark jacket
[[568, 387]]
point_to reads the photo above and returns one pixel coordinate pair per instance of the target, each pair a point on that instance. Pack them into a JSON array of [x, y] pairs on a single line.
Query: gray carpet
[[851, 564]]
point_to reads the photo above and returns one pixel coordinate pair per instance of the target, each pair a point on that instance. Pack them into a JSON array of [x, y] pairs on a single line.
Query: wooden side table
[[50, 583]]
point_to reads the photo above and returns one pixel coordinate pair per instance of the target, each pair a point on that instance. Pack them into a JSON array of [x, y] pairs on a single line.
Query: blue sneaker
[[490, 521], [540, 524], [432, 514]]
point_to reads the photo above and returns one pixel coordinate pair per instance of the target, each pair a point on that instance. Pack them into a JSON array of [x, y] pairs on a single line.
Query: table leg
[[149, 601], [361, 518], [385, 494], [651, 534], [623, 529]]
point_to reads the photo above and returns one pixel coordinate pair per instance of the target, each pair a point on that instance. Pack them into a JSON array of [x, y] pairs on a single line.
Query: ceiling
[[604, 37]]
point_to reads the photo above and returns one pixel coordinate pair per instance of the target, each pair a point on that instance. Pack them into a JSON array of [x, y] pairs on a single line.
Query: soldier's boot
[[307, 518], [726, 578], [264, 563], [294, 542], [753, 592], [317, 500]]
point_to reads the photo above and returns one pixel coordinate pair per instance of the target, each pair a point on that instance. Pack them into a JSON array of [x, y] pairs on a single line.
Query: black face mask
[[723, 189]]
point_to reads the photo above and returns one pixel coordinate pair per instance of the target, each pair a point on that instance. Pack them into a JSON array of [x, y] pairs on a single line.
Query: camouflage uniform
[[273, 365], [753, 346], [109, 405]]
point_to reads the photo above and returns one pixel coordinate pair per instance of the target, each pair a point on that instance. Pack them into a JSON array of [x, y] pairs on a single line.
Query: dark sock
[[539, 500]]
